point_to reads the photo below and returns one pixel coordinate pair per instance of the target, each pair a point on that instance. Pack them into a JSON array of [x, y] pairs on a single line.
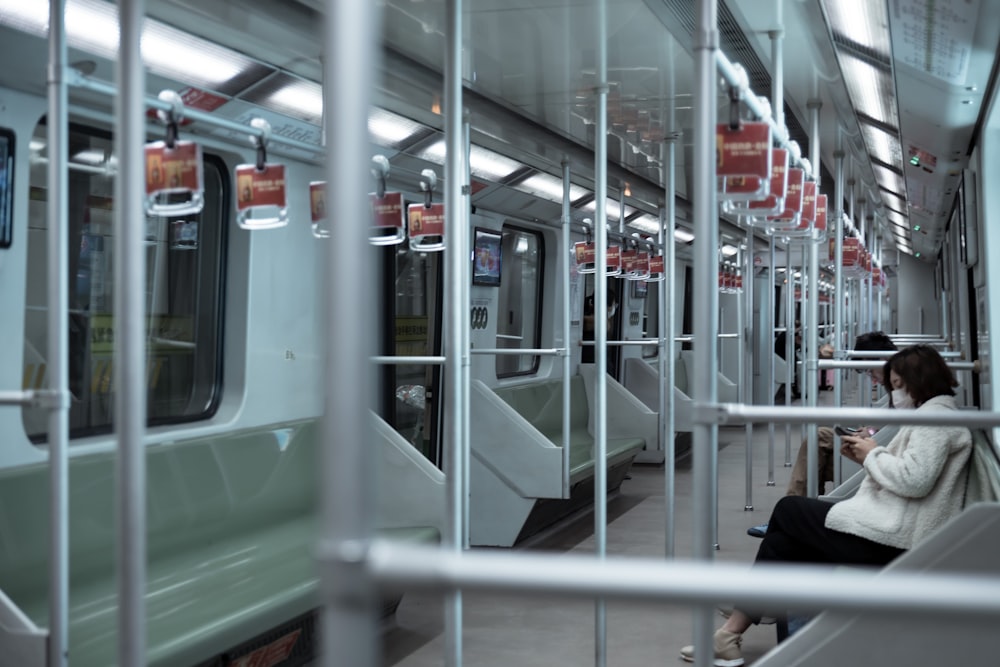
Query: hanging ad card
[[174, 171], [388, 226], [260, 196], [745, 151], [426, 227]]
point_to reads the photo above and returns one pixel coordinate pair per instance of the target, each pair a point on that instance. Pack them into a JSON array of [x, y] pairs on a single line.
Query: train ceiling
[[905, 116]]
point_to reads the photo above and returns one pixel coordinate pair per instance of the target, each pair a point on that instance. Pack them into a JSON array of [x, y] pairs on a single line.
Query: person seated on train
[[871, 341], [587, 354], [780, 342], [912, 486]]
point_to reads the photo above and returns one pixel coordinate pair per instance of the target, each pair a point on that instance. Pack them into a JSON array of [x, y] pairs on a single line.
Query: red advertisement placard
[[779, 180], [821, 213], [260, 188], [642, 263], [656, 264], [745, 151], [851, 252], [793, 195], [176, 169], [808, 204], [317, 201], [388, 211], [614, 260], [426, 221], [629, 258], [584, 253]]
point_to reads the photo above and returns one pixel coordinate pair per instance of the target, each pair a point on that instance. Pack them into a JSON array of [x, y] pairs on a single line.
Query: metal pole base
[[748, 508], [717, 547], [771, 483], [788, 464]]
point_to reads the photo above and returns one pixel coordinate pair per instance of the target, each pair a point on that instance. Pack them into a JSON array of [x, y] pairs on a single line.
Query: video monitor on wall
[[486, 257], [6, 187]]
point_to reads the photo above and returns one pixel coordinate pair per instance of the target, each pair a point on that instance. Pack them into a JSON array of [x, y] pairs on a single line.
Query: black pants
[[796, 534]]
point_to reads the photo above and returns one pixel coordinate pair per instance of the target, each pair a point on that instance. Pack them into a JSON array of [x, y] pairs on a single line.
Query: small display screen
[[6, 187], [640, 288], [486, 256]]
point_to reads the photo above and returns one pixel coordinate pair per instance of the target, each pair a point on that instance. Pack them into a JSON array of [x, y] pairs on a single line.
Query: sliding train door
[[412, 306]]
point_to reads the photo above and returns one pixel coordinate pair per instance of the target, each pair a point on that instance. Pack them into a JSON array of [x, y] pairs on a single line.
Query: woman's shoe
[[758, 531], [727, 650]]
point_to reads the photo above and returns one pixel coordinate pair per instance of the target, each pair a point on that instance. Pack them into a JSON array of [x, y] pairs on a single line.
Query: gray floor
[[523, 632]]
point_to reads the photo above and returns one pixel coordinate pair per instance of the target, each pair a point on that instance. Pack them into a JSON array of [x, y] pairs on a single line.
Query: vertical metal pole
[[768, 309], [462, 217], [58, 338], [564, 253], [456, 312], [811, 385], [778, 109], [130, 353], [789, 344], [346, 430], [746, 358], [839, 341], [706, 303], [668, 317], [600, 326]]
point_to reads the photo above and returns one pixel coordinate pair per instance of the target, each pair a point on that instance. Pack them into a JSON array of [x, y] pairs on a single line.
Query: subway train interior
[[275, 392]]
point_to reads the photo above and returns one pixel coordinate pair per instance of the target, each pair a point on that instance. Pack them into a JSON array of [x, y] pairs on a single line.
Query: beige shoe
[[727, 650]]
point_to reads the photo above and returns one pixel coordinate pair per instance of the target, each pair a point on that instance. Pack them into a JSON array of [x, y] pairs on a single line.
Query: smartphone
[[840, 430]]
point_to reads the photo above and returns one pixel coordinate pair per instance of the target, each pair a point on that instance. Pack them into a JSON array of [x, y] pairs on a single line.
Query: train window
[[520, 301], [6, 187], [184, 264], [651, 319]]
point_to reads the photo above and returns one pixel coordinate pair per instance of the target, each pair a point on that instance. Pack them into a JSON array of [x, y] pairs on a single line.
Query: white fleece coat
[[912, 486]]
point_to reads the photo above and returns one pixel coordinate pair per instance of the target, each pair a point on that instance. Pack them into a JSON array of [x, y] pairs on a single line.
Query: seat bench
[[232, 526], [540, 403]]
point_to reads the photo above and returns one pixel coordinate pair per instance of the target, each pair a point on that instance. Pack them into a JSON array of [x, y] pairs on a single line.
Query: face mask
[[900, 399]]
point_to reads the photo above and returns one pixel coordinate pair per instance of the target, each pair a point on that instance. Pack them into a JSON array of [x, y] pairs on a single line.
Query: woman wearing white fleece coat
[[913, 485]]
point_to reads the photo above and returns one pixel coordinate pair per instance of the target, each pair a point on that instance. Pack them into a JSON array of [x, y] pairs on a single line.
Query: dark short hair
[[923, 371], [874, 341]]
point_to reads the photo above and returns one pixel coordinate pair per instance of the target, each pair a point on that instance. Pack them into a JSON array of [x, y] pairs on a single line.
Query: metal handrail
[[736, 413], [390, 360], [861, 364], [513, 351], [809, 588]]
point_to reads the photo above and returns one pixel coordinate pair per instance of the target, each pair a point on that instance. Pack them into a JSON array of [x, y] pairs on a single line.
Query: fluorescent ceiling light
[[683, 235], [92, 26], [882, 144], [862, 21], [611, 208], [646, 223], [36, 145], [729, 250], [391, 130], [871, 89], [549, 187], [893, 198], [484, 163], [299, 98], [888, 179], [897, 219], [90, 156]]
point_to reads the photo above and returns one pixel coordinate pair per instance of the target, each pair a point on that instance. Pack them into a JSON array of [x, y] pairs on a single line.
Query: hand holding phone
[[840, 430]]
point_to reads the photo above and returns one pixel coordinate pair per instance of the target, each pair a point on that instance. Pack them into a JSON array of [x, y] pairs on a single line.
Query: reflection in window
[[520, 302], [651, 318], [184, 260]]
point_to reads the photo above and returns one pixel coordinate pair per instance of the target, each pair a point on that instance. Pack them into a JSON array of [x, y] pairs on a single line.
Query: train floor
[[503, 631]]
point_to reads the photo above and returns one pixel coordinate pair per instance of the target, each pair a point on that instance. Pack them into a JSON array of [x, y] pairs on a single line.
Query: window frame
[[216, 162], [539, 298]]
